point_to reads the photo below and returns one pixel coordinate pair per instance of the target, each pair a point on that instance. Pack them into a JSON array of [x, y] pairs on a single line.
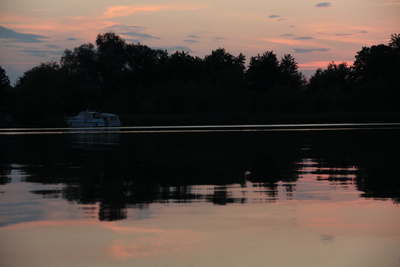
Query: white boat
[[90, 118]]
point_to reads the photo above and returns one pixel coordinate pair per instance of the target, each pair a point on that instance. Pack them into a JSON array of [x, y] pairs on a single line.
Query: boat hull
[[94, 119], [94, 123]]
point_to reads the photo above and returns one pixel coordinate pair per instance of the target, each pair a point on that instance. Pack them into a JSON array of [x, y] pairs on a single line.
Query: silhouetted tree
[[263, 72], [377, 61], [4, 88], [224, 69], [4, 80], [334, 77], [82, 68], [184, 67], [395, 42], [377, 74], [331, 88], [143, 64], [41, 94], [112, 62], [82, 63], [290, 75]]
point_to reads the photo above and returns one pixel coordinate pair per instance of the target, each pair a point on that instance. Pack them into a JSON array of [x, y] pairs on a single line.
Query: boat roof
[[88, 111], [107, 114]]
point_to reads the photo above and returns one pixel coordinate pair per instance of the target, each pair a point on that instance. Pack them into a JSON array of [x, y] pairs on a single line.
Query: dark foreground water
[[209, 196]]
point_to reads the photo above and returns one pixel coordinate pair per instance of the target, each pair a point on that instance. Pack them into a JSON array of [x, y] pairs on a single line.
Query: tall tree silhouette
[[290, 75], [5, 94], [184, 67], [334, 77], [41, 94], [111, 60], [143, 64], [263, 71], [81, 65], [377, 61], [4, 80], [224, 69]]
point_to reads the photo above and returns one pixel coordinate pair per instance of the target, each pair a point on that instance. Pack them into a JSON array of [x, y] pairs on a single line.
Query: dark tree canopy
[[4, 80], [335, 77], [263, 71], [4, 90], [371, 84], [132, 80], [224, 69], [41, 93], [266, 72], [395, 42], [290, 75]]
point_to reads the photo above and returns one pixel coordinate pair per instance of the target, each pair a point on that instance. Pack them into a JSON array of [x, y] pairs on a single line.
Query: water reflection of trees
[[163, 168], [368, 159]]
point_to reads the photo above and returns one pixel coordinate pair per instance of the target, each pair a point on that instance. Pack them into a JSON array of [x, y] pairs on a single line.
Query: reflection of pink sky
[[202, 234], [318, 222], [352, 218], [119, 240], [152, 244]]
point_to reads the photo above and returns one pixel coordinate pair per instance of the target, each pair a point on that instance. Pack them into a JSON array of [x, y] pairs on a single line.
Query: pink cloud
[[123, 11]]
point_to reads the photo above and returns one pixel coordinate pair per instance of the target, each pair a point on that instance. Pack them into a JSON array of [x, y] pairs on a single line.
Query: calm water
[[299, 195]]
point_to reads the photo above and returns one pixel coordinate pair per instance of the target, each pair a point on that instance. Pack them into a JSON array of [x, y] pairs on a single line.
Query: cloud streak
[[191, 41], [310, 50], [42, 53], [304, 38], [131, 31], [274, 16], [141, 35], [323, 5], [20, 37]]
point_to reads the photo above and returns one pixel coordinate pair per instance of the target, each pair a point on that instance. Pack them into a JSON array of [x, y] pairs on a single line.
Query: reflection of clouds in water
[[327, 239]]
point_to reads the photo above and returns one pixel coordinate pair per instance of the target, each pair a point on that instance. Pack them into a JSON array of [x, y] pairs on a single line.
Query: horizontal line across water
[[202, 128]]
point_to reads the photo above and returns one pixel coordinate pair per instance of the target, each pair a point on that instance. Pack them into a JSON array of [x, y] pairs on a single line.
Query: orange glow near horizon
[[322, 64]]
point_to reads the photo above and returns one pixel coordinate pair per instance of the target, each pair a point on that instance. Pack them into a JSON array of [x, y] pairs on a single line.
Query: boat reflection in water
[[92, 138], [229, 198]]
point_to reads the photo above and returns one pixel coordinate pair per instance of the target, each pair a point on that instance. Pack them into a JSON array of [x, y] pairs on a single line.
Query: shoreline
[[211, 119]]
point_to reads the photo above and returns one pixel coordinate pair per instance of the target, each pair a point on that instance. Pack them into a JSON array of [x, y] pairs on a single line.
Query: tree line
[[134, 80]]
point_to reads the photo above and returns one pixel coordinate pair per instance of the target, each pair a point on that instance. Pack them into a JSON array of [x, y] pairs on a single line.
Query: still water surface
[[209, 196]]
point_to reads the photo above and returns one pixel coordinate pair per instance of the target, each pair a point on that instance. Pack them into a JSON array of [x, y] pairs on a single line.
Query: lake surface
[[297, 195]]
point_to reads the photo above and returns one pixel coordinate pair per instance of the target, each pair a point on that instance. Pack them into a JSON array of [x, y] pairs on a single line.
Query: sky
[[313, 31]]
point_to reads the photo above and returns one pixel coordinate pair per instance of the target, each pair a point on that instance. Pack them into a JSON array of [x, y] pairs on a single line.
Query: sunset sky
[[313, 31]]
